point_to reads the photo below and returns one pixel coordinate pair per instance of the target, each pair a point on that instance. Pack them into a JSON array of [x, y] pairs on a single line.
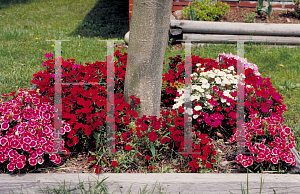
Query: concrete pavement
[[179, 183]]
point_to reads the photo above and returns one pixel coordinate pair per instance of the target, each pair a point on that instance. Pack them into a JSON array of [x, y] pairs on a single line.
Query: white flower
[[226, 93], [206, 86], [231, 68], [194, 98], [218, 80], [175, 106], [230, 76], [226, 81], [194, 87], [212, 75], [223, 100], [194, 74], [204, 81], [197, 108], [197, 97], [221, 74], [180, 91], [217, 71], [208, 96], [189, 111], [198, 64], [195, 116]]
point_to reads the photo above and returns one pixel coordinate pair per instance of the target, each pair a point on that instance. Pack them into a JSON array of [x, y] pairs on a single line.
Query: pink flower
[[3, 141], [32, 161], [20, 165], [11, 166], [5, 126], [58, 160]]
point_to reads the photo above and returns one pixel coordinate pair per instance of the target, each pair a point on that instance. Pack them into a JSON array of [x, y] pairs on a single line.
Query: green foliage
[[206, 10], [260, 10], [193, 15], [250, 18], [297, 9]]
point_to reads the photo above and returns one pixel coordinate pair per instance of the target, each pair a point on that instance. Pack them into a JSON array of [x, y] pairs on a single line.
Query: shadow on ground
[[7, 3], [107, 19]]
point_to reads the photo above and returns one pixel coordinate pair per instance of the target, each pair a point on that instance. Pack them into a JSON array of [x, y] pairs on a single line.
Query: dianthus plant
[[27, 132], [213, 106], [269, 142]]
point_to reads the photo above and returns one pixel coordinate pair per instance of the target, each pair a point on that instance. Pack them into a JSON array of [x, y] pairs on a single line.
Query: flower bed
[[142, 142]]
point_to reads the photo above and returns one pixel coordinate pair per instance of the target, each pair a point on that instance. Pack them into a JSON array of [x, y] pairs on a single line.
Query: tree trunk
[[150, 23]]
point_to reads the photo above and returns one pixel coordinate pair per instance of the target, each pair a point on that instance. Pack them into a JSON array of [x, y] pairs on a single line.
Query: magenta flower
[[3, 141], [4, 125], [47, 55], [75, 66], [40, 160], [20, 165], [32, 161], [11, 166]]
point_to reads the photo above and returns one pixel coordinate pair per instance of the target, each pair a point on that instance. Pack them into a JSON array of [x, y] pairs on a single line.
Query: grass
[[26, 25]]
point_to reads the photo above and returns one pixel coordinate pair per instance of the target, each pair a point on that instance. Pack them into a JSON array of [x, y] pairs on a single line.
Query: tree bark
[[150, 23]]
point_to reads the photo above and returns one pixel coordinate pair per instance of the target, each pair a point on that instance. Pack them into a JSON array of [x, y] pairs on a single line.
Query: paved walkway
[[170, 182]]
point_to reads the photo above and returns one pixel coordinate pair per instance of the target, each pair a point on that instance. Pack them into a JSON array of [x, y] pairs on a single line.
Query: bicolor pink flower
[[14, 143], [20, 165], [58, 160], [11, 166], [40, 160], [3, 141], [2, 158], [5, 126], [32, 161], [46, 130], [67, 128]]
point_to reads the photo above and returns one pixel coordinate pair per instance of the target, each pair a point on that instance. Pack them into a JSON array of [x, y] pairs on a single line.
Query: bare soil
[[277, 16]]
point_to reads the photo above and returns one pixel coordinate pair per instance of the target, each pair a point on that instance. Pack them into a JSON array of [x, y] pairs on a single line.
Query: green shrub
[[297, 9], [206, 10]]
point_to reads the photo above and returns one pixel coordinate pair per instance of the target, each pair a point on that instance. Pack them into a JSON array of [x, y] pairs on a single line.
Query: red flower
[[114, 163], [208, 165], [128, 147], [152, 136], [97, 169], [147, 157], [151, 167]]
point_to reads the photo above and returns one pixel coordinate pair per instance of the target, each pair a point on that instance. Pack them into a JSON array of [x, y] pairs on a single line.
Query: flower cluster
[[84, 111], [213, 106], [149, 139], [275, 142], [27, 131], [243, 61], [84, 105]]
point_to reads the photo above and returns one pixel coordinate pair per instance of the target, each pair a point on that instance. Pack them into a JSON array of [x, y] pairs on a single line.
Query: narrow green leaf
[[152, 149]]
